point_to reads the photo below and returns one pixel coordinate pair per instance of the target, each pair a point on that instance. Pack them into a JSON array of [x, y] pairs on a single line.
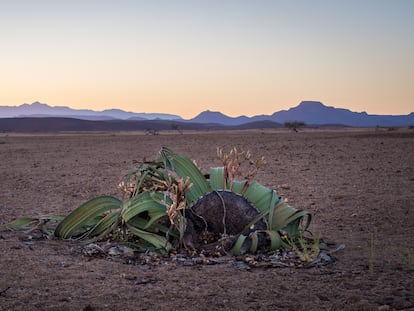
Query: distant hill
[[316, 113], [262, 124], [57, 124], [218, 117], [37, 109], [312, 113]]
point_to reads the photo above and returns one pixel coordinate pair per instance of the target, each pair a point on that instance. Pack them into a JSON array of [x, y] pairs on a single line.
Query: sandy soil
[[359, 185]]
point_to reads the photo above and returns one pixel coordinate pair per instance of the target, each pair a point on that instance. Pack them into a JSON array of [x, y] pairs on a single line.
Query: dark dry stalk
[[4, 290]]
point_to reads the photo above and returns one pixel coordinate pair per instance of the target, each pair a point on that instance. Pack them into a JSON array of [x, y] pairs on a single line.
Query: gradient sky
[[182, 57]]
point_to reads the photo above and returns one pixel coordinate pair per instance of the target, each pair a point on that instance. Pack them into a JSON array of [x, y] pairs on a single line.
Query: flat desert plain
[[358, 185]]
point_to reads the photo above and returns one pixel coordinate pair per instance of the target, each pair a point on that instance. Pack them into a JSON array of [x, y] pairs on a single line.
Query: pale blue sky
[[183, 57]]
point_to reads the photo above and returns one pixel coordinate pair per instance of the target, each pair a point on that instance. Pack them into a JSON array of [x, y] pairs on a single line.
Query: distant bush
[[151, 132], [295, 125], [176, 127]]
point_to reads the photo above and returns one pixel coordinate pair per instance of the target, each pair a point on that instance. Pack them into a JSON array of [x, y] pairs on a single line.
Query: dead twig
[[4, 290]]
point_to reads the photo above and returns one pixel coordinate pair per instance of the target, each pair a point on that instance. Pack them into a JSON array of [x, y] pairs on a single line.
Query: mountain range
[[40, 110], [313, 113]]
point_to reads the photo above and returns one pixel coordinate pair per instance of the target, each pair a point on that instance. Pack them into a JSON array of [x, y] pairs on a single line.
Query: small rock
[[130, 277], [323, 297], [88, 308], [285, 186], [241, 266], [145, 281]]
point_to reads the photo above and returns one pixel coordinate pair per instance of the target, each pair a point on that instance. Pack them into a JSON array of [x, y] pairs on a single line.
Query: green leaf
[[217, 178], [285, 214], [86, 215], [238, 245], [20, 224], [141, 223], [260, 196], [104, 226], [254, 236], [275, 239], [143, 202], [148, 177], [217, 181], [159, 242], [52, 217], [296, 224], [30, 223], [184, 167], [272, 209]]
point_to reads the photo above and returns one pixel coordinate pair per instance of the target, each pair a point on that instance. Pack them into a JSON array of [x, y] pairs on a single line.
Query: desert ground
[[357, 183]]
